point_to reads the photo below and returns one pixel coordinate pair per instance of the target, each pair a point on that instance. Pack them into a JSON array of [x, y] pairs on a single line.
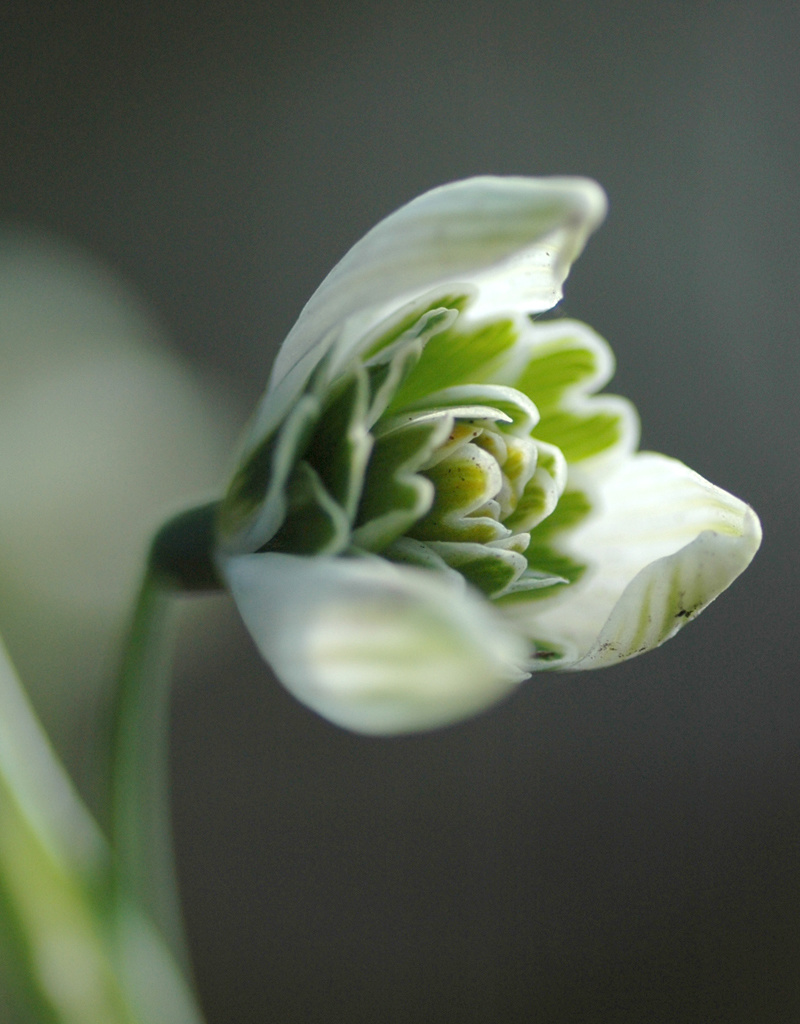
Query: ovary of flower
[[432, 501]]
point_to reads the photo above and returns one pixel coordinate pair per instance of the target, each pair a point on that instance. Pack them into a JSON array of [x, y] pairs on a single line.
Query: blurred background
[[175, 179]]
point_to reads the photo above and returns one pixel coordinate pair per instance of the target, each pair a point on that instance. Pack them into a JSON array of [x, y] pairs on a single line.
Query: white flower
[[432, 502]]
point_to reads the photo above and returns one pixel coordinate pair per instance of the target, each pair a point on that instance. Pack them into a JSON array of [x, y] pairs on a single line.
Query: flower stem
[[140, 821], [141, 831]]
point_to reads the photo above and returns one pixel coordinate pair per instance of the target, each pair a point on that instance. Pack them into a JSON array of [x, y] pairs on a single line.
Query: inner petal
[[466, 481]]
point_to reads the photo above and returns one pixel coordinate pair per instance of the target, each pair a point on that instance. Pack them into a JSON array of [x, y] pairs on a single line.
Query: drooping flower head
[[433, 502]]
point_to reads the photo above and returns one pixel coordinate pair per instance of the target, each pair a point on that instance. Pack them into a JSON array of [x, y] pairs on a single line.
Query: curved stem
[[141, 830], [180, 560]]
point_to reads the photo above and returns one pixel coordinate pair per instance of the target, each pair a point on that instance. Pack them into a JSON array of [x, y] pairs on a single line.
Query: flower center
[[478, 477], [488, 487], [377, 459]]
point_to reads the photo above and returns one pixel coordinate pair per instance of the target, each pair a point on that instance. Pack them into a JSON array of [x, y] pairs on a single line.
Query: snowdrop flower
[[433, 502]]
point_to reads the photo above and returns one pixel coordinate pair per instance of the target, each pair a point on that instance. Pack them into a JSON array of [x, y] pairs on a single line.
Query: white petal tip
[[673, 590]]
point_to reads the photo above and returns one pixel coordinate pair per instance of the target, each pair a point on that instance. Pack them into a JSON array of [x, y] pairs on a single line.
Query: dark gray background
[[620, 846]]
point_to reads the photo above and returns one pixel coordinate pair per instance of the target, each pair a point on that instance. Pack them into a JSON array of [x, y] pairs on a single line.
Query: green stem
[[141, 829]]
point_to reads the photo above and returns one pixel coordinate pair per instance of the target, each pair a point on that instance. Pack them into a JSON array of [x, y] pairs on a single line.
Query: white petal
[[372, 646], [663, 544], [513, 238]]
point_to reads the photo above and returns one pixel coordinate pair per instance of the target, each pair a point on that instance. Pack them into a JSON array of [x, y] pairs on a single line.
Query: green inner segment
[[455, 357], [572, 507], [408, 321], [564, 366], [395, 496]]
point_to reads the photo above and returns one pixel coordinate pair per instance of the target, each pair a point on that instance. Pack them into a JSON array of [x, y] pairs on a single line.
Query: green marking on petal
[[542, 491], [408, 320], [455, 357], [464, 482], [460, 434], [263, 474], [518, 466], [315, 523], [466, 479], [490, 569], [582, 435], [573, 507], [478, 415], [561, 373], [538, 500], [490, 573], [649, 621], [340, 448], [408, 551], [562, 364], [496, 570], [544, 557], [395, 496], [391, 366], [559, 569], [516, 409], [533, 579]]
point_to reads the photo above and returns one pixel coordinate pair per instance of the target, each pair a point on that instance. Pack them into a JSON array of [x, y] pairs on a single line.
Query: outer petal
[[376, 647], [663, 544], [515, 238]]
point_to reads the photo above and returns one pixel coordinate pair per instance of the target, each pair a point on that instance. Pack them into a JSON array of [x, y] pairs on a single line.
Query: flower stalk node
[[182, 553]]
